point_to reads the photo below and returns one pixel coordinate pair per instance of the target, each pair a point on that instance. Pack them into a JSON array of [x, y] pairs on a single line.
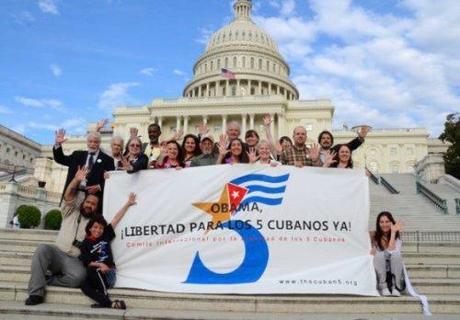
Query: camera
[[77, 243]]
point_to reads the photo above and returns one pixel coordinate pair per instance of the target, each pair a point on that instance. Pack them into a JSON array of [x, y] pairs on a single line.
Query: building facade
[[260, 86]]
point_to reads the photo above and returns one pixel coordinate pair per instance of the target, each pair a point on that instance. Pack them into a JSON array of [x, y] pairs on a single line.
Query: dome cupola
[[248, 53]]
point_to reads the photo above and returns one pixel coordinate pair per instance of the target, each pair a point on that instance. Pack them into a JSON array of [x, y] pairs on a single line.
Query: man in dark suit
[[95, 161]]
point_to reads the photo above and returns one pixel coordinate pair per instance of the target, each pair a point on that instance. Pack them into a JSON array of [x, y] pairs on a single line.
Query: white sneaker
[[395, 293], [385, 292]]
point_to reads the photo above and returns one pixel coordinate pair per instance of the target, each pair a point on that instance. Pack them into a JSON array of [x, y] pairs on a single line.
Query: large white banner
[[243, 229]]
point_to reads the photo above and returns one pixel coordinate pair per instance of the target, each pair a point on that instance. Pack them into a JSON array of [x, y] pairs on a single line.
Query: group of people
[[82, 256]]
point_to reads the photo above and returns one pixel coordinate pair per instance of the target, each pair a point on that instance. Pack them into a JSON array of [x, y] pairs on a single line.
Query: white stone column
[[277, 90], [205, 119], [238, 87], [224, 123], [160, 121], [281, 121], [243, 123], [260, 87], [207, 90], [227, 87], [249, 88], [251, 121], [218, 88], [199, 91], [178, 123], [185, 124]]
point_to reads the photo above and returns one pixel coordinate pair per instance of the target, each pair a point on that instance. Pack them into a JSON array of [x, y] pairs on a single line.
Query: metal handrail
[[388, 185], [373, 177], [431, 236], [435, 199]]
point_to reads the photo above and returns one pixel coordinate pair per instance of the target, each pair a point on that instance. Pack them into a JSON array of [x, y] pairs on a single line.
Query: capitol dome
[[249, 53]]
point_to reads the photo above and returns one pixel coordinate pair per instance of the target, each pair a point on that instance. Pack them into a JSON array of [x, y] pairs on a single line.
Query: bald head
[[233, 130], [299, 136]]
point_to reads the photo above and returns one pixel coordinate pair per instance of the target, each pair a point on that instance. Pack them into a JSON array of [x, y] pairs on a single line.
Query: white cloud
[[384, 69], [40, 103], [48, 6], [56, 70], [5, 110], [116, 95], [24, 18], [205, 34], [178, 72], [147, 71]]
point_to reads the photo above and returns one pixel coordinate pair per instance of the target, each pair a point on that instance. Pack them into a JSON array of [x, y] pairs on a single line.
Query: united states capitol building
[[261, 86]]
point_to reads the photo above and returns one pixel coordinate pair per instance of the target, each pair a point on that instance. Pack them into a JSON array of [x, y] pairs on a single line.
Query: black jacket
[[78, 158]]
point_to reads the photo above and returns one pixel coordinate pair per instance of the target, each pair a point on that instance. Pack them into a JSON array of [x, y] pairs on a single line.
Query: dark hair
[[251, 133], [336, 158], [378, 231], [180, 154], [285, 138], [95, 219], [154, 125], [197, 150], [326, 132], [242, 158]]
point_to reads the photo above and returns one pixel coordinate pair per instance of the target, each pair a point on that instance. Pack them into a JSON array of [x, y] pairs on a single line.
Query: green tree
[[452, 134]]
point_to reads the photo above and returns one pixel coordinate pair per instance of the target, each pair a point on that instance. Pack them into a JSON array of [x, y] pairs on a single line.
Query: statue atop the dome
[[242, 9]]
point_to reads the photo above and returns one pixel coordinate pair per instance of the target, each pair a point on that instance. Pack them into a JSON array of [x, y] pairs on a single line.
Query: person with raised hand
[[134, 160], [173, 156], [96, 255], [61, 258], [234, 153], [299, 155], [94, 159], [264, 156], [386, 248]]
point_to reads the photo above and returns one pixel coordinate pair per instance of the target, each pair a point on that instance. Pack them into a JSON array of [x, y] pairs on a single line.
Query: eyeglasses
[[135, 145]]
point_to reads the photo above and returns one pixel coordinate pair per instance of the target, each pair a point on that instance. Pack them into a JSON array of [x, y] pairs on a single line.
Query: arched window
[[226, 62], [260, 64], [252, 63], [212, 66], [244, 62], [234, 62], [218, 64]]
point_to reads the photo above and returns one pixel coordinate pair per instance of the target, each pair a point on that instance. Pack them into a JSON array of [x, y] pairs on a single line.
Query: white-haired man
[[96, 161]]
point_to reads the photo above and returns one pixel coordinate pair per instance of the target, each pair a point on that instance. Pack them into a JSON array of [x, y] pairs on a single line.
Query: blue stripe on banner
[[254, 188], [270, 202], [260, 177]]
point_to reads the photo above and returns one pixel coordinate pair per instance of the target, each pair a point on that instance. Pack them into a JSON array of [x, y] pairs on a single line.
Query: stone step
[[293, 304], [46, 311], [421, 280], [28, 234]]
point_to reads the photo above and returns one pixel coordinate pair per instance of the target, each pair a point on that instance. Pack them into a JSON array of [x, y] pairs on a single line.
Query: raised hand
[[133, 132], [179, 133], [314, 152], [101, 124], [93, 189], [59, 137], [131, 199], [398, 226], [203, 129], [81, 173], [223, 145], [329, 160], [252, 155], [267, 119], [126, 165]]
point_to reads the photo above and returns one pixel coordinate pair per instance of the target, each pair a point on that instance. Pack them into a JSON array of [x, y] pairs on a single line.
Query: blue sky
[[66, 63]]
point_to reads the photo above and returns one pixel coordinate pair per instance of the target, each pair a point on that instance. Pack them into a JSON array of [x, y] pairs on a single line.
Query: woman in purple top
[[235, 152]]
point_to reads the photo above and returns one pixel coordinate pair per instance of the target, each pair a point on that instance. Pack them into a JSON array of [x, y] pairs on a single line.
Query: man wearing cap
[[209, 156]]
